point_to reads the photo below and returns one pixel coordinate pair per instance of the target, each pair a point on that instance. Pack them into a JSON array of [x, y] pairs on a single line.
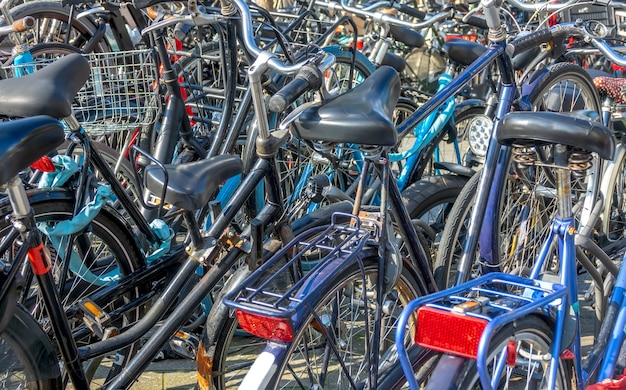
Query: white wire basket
[[122, 92]]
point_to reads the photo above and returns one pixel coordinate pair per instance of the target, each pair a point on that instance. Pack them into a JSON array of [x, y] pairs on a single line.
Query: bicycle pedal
[[94, 317], [184, 344]]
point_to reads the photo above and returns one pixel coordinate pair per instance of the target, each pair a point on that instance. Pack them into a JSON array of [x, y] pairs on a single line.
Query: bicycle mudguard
[[38, 346]]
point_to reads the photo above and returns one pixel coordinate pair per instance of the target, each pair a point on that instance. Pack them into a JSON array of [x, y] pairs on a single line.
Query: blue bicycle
[[506, 330]]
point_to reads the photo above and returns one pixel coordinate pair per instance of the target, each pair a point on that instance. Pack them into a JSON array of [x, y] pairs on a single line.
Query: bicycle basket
[[121, 93]]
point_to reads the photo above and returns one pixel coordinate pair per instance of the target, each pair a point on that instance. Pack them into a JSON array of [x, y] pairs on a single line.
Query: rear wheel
[[528, 340], [346, 312]]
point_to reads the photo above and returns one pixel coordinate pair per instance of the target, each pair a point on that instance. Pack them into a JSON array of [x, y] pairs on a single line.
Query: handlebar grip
[[26, 23], [528, 41], [476, 21], [411, 11], [308, 78]]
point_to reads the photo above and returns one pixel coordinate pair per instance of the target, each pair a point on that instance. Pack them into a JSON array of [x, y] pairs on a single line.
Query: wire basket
[[121, 93]]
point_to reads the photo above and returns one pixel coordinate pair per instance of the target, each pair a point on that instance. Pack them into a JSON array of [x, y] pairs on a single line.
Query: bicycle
[[178, 195], [524, 322], [291, 316]]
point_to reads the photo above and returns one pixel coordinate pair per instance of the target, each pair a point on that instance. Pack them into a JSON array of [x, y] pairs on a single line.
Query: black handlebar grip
[[308, 78], [476, 21], [411, 11], [528, 41]]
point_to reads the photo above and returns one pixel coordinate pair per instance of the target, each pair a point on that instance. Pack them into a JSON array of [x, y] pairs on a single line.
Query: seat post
[[564, 190]]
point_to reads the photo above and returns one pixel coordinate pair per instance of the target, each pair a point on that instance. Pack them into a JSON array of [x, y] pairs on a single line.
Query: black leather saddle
[[543, 128], [190, 185], [360, 116], [48, 91], [461, 51], [24, 141]]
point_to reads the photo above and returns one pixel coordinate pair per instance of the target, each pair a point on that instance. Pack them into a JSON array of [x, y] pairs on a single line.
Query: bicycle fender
[[38, 195], [468, 104], [317, 283], [39, 346]]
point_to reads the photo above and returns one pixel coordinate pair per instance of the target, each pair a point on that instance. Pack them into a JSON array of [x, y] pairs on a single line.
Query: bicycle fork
[[24, 222]]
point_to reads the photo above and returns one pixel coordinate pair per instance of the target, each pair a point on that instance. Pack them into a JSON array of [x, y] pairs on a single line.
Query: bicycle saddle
[[462, 51], [360, 116], [24, 141], [542, 128], [612, 87], [409, 37], [190, 185], [48, 91]]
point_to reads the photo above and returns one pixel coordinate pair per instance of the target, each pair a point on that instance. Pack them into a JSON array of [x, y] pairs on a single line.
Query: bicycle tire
[[51, 20], [106, 243], [528, 333], [345, 283], [340, 72], [430, 201], [27, 358], [521, 199]]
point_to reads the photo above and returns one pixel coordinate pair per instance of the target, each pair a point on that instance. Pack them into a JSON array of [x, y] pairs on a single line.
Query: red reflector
[[617, 68], [466, 37], [619, 383], [511, 353], [269, 328], [449, 332], [44, 164]]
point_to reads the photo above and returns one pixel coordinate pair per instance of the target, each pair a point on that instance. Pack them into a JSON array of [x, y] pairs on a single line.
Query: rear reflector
[[449, 332], [269, 328]]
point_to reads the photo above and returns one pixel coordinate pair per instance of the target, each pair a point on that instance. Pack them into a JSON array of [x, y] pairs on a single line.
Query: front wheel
[[102, 252], [27, 359]]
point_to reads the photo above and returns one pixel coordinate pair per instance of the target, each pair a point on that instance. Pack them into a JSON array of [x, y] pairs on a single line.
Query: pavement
[[173, 374]]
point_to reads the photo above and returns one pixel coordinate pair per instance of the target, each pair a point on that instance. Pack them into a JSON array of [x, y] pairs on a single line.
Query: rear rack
[[480, 307], [279, 288]]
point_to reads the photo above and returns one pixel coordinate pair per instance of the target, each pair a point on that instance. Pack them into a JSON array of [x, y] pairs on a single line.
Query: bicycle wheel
[[614, 214], [53, 26], [338, 77], [527, 199], [312, 360], [101, 252], [430, 201], [27, 359], [532, 339]]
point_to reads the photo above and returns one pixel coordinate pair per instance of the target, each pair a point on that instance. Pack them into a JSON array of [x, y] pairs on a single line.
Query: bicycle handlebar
[[21, 25], [574, 29], [309, 78], [548, 6]]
